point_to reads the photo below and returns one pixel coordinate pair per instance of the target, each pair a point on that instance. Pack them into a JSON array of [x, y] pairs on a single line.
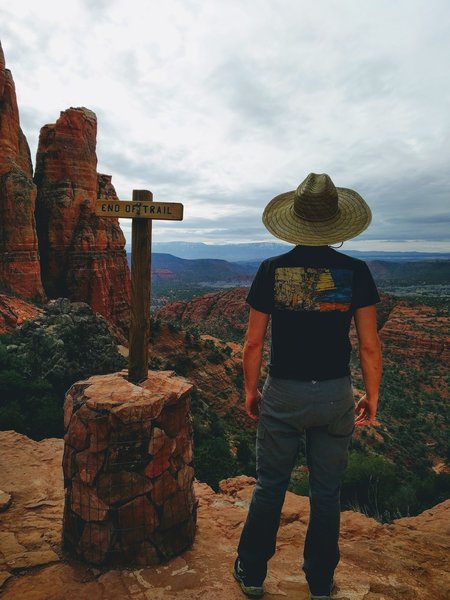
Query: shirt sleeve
[[260, 296], [365, 291]]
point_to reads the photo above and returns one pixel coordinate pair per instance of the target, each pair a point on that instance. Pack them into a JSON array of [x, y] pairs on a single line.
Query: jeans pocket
[[344, 424]]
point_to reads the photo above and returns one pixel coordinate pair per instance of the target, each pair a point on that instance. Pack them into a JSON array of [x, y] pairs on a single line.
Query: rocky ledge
[[14, 312], [404, 560]]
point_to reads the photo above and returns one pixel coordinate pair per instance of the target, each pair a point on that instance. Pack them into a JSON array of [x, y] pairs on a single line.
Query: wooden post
[[142, 210], [141, 239]]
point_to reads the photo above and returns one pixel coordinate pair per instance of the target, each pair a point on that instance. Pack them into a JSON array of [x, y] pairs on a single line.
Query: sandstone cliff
[[14, 312], [19, 261], [82, 256], [406, 560], [223, 314], [417, 331]]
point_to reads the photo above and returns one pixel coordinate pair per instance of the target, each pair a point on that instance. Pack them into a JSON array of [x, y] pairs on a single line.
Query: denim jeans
[[325, 412]]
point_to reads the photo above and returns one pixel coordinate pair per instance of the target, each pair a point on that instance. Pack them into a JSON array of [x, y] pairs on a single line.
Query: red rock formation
[[13, 312], [220, 313], [415, 331], [19, 261], [82, 255]]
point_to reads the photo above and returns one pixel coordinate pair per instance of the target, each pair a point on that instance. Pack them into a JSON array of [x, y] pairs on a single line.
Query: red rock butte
[[20, 271], [82, 256]]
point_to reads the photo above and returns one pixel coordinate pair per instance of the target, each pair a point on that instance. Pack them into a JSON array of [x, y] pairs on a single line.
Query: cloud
[[225, 105]]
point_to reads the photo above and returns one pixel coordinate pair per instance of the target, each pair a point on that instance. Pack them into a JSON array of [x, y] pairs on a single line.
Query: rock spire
[[19, 261], [82, 256]]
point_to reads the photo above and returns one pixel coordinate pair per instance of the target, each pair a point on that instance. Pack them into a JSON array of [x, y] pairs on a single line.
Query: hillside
[[214, 366], [413, 420], [402, 561], [175, 278], [15, 311], [169, 267]]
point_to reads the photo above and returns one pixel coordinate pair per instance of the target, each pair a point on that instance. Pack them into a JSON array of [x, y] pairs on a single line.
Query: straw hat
[[317, 213]]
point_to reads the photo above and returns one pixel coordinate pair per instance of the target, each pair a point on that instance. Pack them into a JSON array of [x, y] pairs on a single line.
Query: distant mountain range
[[249, 252], [170, 269], [166, 267]]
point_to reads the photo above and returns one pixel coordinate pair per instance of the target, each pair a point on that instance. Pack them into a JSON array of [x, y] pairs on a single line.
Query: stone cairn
[[128, 477]]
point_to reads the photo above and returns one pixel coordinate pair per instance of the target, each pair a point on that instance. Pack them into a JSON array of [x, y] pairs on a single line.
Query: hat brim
[[352, 218]]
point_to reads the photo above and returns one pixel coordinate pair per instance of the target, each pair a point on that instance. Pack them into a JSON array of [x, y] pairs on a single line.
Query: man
[[311, 294]]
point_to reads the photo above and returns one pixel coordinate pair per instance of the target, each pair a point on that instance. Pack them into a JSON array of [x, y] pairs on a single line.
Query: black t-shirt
[[312, 294]]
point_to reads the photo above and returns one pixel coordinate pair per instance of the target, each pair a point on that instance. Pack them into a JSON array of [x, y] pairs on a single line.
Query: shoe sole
[[251, 592]]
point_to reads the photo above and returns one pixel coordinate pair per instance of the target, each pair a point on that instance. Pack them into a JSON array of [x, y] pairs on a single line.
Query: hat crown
[[316, 198]]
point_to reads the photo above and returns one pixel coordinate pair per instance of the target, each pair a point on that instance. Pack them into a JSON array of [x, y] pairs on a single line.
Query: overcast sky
[[222, 105]]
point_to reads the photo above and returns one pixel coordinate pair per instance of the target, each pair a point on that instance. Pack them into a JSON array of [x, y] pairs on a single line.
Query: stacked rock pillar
[[128, 469]]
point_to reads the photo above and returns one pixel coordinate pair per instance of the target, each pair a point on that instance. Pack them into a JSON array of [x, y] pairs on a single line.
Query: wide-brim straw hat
[[317, 213]]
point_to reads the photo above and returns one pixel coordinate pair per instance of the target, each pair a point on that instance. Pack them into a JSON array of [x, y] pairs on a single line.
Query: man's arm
[[370, 358], [253, 350]]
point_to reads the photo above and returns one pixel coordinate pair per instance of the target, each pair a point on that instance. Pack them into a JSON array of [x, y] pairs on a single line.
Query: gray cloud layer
[[223, 106]]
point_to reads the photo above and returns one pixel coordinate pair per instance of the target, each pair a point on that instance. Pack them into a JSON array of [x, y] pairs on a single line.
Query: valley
[[175, 278]]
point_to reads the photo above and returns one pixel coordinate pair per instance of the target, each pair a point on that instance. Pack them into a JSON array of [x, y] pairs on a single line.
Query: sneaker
[[332, 588], [251, 587]]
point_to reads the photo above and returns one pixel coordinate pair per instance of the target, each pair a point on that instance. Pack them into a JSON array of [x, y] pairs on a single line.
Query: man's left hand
[[252, 404]]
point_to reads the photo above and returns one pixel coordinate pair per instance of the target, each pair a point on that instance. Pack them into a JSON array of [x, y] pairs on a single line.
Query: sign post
[[142, 210]]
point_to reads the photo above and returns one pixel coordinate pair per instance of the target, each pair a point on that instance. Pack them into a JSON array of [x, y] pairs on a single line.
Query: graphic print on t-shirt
[[312, 288]]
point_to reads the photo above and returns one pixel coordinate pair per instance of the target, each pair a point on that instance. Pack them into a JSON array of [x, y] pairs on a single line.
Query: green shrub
[[300, 483], [173, 327], [180, 363], [29, 406], [42, 359], [213, 461], [369, 483], [215, 357], [245, 456]]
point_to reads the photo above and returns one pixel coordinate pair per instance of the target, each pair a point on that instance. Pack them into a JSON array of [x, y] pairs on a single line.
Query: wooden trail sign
[[167, 211], [142, 210]]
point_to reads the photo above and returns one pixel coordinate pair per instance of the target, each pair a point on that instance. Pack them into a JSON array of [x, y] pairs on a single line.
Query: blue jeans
[[325, 412]]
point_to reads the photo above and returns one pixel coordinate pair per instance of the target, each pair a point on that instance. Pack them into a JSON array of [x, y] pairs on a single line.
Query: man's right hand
[[366, 412], [370, 357]]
